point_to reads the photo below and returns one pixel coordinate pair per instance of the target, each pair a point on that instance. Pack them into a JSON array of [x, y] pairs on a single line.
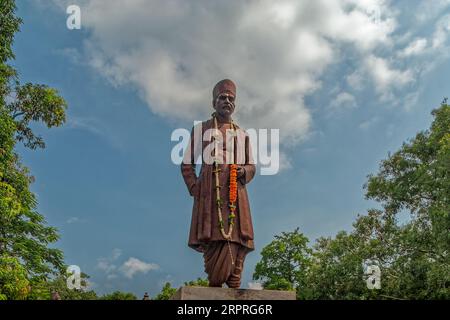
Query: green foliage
[[59, 285], [9, 25], [39, 289], [337, 269], [284, 262], [417, 176], [24, 235], [197, 283], [118, 295], [413, 257], [36, 103], [23, 232], [166, 293], [417, 179], [13, 279]]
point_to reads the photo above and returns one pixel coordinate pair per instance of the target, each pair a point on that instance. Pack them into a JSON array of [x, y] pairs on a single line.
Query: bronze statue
[[221, 225]]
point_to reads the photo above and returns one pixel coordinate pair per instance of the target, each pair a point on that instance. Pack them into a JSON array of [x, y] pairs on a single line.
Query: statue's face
[[224, 104]]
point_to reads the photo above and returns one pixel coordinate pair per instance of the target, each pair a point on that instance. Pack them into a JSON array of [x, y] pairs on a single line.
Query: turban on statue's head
[[224, 86]]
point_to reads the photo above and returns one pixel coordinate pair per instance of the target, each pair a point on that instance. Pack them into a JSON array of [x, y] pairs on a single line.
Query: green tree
[[197, 283], [284, 262], [13, 279], [118, 295], [24, 234], [35, 103], [43, 289], [413, 255], [338, 264], [166, 293], [416, 179]]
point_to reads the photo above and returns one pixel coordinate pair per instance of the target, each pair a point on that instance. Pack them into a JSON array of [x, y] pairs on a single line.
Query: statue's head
[[224, 96]]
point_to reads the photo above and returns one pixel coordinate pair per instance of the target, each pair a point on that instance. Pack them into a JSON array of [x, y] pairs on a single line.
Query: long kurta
[[205, 223]]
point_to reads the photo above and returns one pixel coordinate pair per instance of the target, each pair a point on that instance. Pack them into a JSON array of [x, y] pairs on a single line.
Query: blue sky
[[346, 83]]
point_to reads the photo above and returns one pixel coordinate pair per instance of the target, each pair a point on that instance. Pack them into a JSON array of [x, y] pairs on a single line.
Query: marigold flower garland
[[232, 187]]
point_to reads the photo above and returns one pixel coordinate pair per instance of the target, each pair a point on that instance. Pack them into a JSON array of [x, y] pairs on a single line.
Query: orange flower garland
[[232, 191]]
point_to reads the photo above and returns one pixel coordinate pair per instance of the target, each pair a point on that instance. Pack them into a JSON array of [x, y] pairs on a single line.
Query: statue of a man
[[221, 225]]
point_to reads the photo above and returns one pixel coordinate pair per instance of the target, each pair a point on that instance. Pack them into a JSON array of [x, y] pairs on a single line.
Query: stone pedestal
[[211, 293]]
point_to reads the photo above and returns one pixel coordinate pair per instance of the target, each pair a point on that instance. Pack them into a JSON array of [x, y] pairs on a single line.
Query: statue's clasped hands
[[240, 171]]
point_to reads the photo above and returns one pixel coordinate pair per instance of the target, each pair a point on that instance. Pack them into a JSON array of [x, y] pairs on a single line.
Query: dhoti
[[218, 263]]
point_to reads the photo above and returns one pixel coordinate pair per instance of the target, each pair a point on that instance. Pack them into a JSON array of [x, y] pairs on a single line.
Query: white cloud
[[416, 47], [134, 265], [108, 264], [410, 100], [428, 10], [366, 125], [95, 127], [441, 32], [105, 265], [116, 253], [72, 220], [111, 276], [72, 54], [75, 220], [278, 52], [285, 162], [87, 124], [128, 268], [385, 77], [356, 80], [175, 51], [343, 100]]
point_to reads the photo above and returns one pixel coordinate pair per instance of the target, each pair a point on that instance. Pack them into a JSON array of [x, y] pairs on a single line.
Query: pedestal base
[[211, 293]]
